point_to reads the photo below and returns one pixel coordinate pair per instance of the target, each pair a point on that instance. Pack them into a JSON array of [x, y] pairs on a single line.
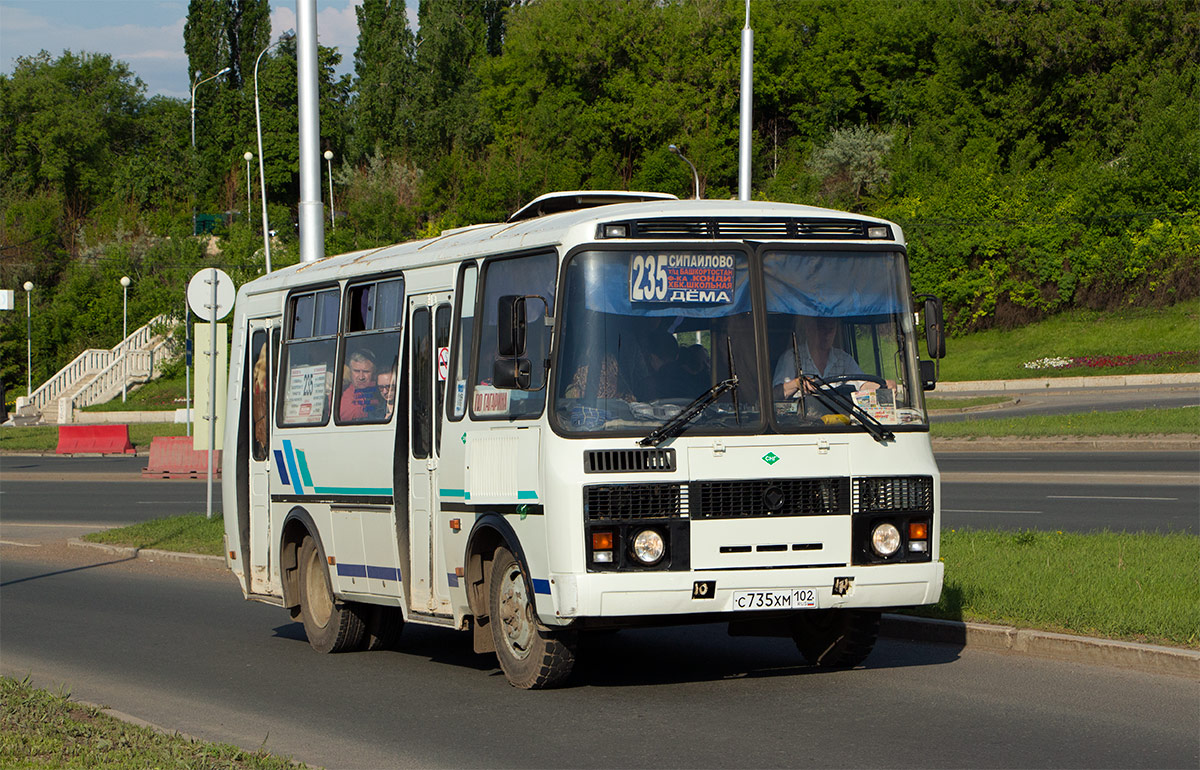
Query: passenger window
[[461, 351], [370, 353], [309, 353]]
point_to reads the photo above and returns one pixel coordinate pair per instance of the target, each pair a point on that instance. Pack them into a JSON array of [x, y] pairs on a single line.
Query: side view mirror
[[935, 330], [510, 319], [511, 373]]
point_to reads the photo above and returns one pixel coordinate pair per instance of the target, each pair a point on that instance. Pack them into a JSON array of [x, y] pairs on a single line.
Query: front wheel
[[836, 638], [331, 626], [532, 657]]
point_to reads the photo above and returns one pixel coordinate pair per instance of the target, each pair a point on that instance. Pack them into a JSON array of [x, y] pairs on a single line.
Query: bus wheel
[[836, 638], [531, 657], [331, 626], [384, 625]]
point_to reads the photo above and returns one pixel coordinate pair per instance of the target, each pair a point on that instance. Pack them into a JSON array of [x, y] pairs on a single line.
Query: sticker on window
[[681, 278], [306, 395], [489, 400]]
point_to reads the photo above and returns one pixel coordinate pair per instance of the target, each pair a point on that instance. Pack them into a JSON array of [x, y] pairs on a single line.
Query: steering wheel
[[829, 382]]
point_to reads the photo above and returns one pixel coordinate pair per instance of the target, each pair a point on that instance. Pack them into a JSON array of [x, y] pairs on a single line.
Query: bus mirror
[[928, 374], [935, 334], [511, 373], [510, 317]]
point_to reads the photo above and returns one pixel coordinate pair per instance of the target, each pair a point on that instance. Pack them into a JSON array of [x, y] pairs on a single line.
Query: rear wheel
[[331, 625], [836, 638], [532, 657]]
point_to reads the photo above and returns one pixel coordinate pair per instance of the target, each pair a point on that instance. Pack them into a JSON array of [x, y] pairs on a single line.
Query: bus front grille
[[893, 493], [625, 502], [628, 460], [769, 497]]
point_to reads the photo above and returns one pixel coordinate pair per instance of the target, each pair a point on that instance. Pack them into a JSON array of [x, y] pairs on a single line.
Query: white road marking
[[1107, 497], [969, 510], [23, 545]]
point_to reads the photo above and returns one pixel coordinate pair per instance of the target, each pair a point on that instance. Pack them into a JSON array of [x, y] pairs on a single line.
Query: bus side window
[[259, 400], [366, 392], [309, 356], [460, 351]]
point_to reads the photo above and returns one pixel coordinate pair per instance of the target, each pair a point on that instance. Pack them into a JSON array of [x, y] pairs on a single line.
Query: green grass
[[163, 394], [999, 354], [39, 729], [44, 438], [1133, 422], [185, 534], [936, 404], [1141, 587]]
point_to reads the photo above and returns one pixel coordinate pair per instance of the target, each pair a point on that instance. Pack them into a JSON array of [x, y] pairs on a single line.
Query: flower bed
[[1173, 357]]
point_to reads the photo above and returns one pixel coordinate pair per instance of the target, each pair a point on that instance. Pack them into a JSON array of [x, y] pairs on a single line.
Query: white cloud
[[337, 27]]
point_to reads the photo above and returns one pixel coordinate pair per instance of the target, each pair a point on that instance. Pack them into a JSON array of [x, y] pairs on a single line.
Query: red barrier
[[172, 457], [92, 439]]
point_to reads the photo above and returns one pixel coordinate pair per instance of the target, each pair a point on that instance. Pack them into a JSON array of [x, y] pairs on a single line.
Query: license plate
[[778, 599]]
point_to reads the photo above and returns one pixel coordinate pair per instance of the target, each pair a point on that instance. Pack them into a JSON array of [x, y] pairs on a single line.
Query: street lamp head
[[222, 72], [329, 155], [247, 156], [125, 281], [29, 286]]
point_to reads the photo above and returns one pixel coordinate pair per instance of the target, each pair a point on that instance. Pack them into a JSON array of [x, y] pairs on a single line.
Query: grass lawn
[[999, 354], [1133, 422], [1142, 587], [39, 729], [44, 438], [163, 394], [187, 534]]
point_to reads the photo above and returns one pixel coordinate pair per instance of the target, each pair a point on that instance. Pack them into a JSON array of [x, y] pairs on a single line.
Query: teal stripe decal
[[353, 491], [527, 495], [453, 492], [303, 468]]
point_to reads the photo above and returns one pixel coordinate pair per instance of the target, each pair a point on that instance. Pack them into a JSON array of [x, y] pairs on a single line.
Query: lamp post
[[262, 180], [248, 156], [329, 165], [197, 82], [28, 340], [124, 334], [695, 176]]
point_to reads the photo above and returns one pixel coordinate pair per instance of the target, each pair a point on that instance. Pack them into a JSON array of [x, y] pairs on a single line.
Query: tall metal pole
[[212, 386], [124, 335], [329, 165], [262, 179], [187, 362], [747, 126], [248, 156], [28, 340], [312, 210]]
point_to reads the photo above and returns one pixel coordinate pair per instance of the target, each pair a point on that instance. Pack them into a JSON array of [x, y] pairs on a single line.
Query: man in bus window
[[361, 400], [387, 390], [817, 356]]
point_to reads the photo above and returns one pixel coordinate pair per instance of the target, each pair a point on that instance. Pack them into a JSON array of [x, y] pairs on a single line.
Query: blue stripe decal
[[291, 461], [541, 586], [352, 570], [452, 579], [526, 496], [353, 490], [279, 462], [383, 573]]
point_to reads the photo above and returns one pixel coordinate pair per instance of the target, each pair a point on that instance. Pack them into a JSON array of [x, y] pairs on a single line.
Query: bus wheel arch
[[489, 534], [297, 525]]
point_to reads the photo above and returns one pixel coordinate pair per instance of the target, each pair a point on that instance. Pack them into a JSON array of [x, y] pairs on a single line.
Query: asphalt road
[[1072, 401], [184, 651]]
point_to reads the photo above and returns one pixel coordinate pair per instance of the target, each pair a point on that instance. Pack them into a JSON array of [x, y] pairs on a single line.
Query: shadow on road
[[66, 571]]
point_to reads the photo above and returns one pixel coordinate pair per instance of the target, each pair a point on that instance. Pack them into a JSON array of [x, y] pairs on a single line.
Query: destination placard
[[681, 278]]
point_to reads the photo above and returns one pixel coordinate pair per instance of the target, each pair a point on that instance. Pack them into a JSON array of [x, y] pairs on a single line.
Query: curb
[[1147, 658], [150, 553], [1056, 383]]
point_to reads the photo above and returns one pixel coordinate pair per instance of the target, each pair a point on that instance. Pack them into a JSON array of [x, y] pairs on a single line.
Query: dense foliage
[[1039, 155]]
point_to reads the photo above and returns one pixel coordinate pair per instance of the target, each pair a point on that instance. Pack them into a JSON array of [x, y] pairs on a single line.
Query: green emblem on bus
[[770, 458]]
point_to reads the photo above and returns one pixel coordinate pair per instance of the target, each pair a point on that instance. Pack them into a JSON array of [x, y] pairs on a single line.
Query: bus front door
[[262, 365], [429, 335]]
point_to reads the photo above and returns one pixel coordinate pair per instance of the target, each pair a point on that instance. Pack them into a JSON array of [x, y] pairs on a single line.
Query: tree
[[384, 79]]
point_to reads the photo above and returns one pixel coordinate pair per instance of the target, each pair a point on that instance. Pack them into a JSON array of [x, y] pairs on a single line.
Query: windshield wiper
[[825, 391], [675, 425]]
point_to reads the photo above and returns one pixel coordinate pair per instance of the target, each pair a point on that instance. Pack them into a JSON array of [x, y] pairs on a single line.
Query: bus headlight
[[885, 539], [649, 547]]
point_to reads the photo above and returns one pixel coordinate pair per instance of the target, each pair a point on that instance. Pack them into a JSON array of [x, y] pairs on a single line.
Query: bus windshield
[[645, 333]]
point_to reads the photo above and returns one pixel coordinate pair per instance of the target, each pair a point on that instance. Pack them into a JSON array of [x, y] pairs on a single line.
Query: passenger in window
[[259, 403], [361, 400], [387, 389]]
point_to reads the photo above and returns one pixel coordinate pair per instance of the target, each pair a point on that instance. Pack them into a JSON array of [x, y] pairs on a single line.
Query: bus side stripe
[[279, 463], [287, 448], [353, 491], [303, 463], [541, 586]]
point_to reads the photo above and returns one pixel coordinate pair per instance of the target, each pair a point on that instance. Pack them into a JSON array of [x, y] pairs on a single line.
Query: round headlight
[[649, 547], [885, 539]]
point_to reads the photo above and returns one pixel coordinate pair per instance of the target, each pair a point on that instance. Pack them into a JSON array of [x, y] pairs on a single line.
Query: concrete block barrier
[[94, 439], [172, 457]]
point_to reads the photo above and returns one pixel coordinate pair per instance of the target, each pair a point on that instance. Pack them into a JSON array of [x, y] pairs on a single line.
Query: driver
[[817, 356]]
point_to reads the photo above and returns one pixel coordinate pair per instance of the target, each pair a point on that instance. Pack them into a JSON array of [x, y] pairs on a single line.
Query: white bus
[[613, 409]]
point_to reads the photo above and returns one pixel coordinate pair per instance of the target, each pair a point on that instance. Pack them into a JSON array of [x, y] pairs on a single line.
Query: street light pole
[[248, 156], [262, 179], [124, 334], [28, 340], [196, 83], [329, 165]]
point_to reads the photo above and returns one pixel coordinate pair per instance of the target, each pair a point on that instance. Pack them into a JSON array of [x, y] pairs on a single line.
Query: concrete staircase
[[96, 376]]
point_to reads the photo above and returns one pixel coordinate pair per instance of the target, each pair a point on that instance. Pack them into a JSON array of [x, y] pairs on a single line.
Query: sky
[[148, 34]]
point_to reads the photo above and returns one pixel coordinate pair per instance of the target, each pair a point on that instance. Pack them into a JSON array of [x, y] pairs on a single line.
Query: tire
[[384, 625], [331, 625], [532, 657], [836, 638]]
